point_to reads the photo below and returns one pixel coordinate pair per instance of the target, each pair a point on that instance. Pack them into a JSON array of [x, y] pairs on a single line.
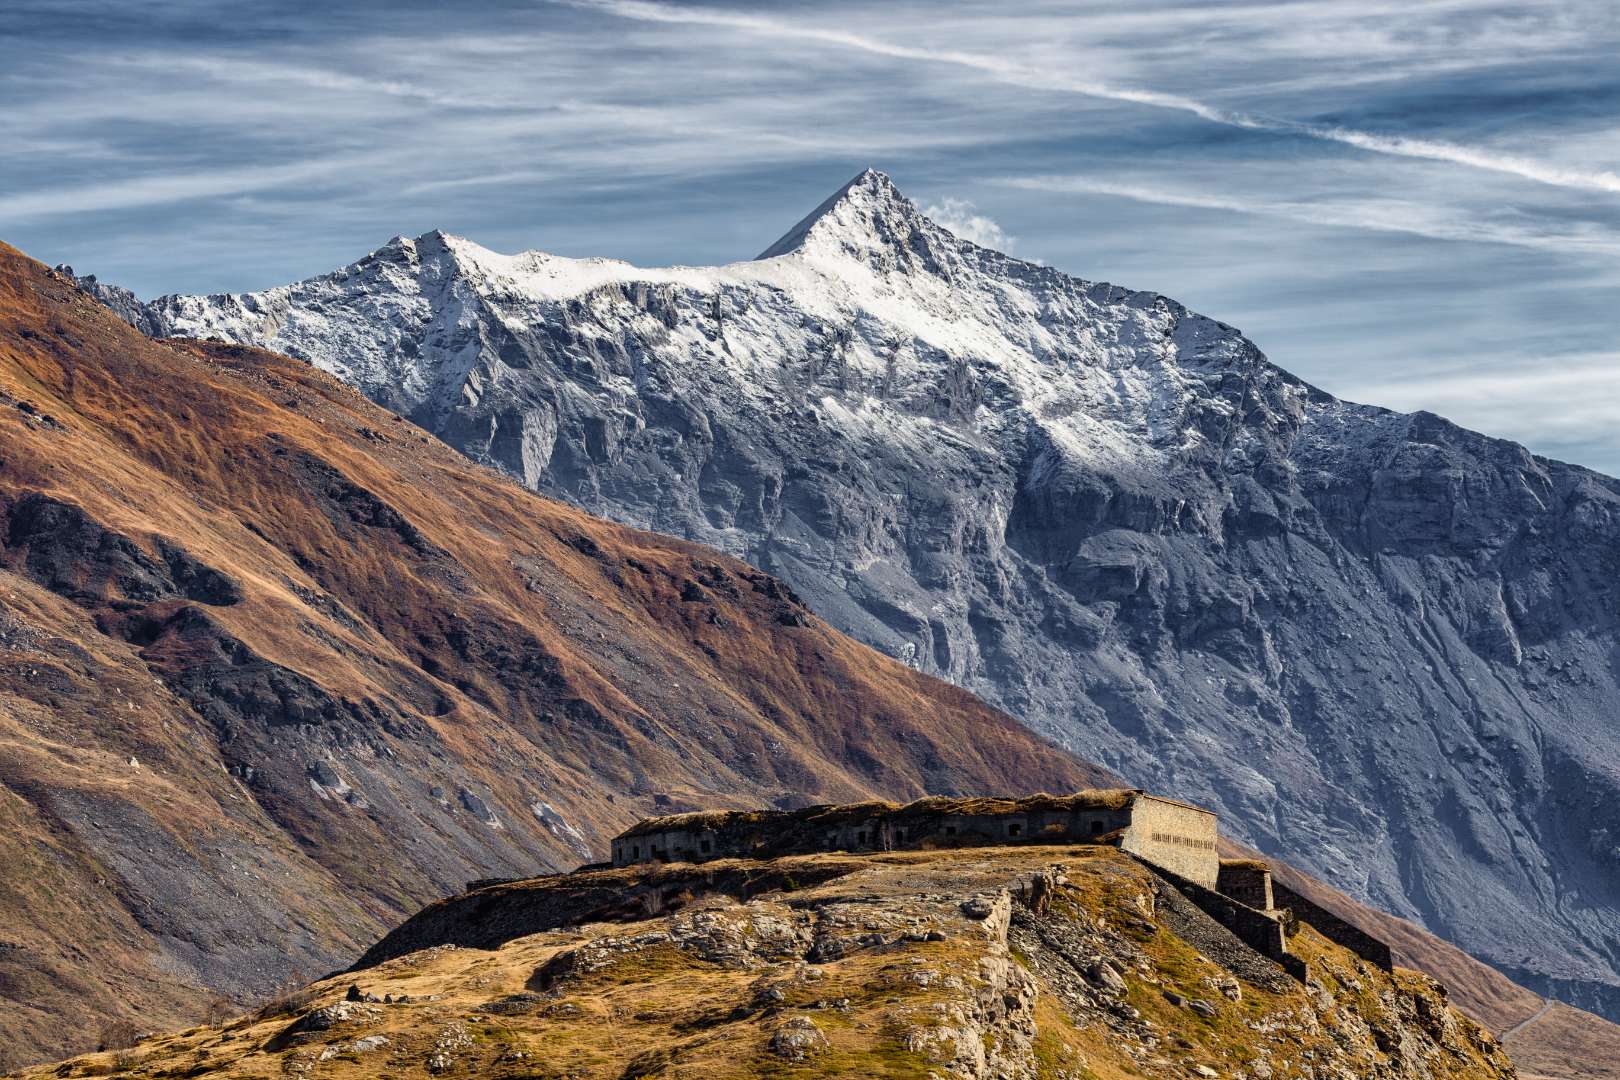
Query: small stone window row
[[1183, 841]]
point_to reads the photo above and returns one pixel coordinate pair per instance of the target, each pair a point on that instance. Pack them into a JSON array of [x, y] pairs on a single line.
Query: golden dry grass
[[1564, 1043]]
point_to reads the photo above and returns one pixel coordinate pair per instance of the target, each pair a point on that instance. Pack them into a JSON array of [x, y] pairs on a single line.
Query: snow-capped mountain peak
[[1103, 512], [867, 218], [435, 245]]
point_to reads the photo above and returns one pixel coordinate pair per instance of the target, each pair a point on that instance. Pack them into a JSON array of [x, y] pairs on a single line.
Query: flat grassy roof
[[975, 806]]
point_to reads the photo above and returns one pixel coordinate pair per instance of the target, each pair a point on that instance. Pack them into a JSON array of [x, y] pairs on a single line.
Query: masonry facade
[[1177, 836]]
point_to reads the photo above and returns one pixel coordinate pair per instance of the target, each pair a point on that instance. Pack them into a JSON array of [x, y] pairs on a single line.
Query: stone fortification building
[[1248, 880], [1176, 838], [1174, 835]]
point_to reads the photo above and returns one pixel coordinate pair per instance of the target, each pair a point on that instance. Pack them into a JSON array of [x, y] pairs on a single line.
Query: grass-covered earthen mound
[[1089, 799]]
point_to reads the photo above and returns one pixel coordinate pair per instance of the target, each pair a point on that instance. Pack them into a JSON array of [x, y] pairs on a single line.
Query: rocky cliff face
[[1010, 964], [1379, 644]]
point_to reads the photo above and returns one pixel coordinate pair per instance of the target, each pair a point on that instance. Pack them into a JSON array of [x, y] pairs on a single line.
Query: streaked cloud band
[[1042, 79], [1378, 215]]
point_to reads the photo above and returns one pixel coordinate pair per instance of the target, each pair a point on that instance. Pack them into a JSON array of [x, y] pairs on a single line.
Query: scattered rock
[[329, 1016], [520, 1004], [452, 1039], [978, 908], [478, 808], [1106, 975], [799, 1039], [322, 1019]]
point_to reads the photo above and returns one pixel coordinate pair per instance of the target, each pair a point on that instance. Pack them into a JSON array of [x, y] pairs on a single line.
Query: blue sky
[[1411, 204]]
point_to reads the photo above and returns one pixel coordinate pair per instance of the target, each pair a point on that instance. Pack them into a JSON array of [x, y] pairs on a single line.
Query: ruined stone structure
[[1177, 839], [1174, 835]]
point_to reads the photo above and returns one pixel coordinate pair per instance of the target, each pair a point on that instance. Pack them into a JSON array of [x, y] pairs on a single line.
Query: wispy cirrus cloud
[[1379, 215], [239, 70], [1039, 78], [151, 190], [1473, 157]]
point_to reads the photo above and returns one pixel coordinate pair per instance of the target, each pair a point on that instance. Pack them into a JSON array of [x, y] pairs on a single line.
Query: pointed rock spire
[[866, 215]]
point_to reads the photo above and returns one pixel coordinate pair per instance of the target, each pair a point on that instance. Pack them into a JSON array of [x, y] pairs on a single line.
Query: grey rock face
[[1382, 646], [124, 303]]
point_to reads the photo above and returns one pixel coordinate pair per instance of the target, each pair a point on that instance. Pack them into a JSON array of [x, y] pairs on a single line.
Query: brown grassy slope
[[276, 669], [1563, 1043], [1558, 1042]]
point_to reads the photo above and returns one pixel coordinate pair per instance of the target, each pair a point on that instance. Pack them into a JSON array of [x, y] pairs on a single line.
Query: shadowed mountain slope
[[276, 668]]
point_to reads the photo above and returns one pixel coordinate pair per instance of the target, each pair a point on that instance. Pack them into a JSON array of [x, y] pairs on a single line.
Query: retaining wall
[[1333, 928]]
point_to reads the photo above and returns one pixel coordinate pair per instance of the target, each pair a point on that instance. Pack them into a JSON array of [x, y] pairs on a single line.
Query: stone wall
[[929, 823], [1258, 930], [1248, 881], [1333, 928], [1176, 836]]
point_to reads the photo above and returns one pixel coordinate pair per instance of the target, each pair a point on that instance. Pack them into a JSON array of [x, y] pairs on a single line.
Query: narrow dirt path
[[1527, 1021]]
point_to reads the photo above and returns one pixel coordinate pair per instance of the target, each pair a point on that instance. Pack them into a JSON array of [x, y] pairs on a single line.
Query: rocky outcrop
[[1106, 513], [990, 964]]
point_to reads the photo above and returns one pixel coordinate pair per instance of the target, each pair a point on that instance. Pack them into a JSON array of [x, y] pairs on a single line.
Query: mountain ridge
[[1109, 515], [1039, 963]]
